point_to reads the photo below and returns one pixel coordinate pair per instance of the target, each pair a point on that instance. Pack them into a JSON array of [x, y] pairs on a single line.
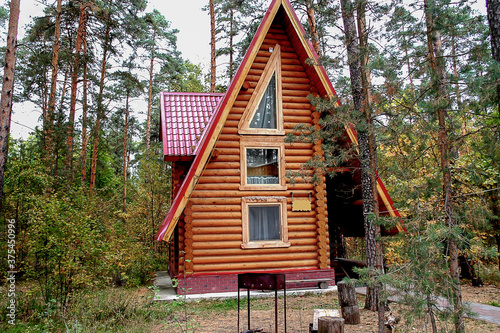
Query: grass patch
[[494, 303]]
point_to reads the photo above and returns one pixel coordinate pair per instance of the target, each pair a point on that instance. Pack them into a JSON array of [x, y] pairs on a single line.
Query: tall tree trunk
[[231, 42], [150, 92], [311, 19], [365, 158], [438, 77], [8, 90], [100, 110], [125, 167], [493, 7], [83, 151], [213, 67], [74, 86], [375, 301], [49, 121]]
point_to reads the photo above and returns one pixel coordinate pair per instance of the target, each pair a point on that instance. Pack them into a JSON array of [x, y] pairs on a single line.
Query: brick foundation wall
[[227, 282]]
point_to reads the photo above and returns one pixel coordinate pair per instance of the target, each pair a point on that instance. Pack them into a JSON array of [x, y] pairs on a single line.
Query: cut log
[[347, 294], [330, 325], [351, 315]]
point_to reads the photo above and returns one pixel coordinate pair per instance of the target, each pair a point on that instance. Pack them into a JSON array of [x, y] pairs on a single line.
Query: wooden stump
[[348, 303], [330, 325], [347, 294], [351, 314]]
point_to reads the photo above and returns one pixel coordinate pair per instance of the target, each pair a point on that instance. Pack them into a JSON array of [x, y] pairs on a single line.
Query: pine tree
[[8, 91]]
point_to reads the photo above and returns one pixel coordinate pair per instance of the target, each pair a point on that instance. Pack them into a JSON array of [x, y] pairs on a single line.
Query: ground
[[210, 316]]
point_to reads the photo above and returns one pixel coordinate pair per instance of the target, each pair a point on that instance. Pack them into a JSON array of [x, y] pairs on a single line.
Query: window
[[262, 164], [264, 222], [265, 115], [264, 112]]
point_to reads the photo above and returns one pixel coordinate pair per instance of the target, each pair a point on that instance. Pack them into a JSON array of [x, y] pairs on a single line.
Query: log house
[[234, 208]]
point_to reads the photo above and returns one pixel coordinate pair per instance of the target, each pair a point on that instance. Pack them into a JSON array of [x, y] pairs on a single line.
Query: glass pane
[[262, 166], [264, 222], [265, 115]]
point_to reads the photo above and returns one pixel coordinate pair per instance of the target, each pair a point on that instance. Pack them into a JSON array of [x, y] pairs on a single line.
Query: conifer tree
[[8, 91]]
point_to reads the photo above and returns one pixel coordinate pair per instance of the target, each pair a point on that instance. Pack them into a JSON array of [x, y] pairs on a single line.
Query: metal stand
[[262, 282]]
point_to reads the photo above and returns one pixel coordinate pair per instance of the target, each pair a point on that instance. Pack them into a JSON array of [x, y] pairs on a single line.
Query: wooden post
[[348, 303], [330, 325]]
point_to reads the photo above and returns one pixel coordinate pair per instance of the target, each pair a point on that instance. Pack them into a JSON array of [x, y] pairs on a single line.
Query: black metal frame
[[262, 281]]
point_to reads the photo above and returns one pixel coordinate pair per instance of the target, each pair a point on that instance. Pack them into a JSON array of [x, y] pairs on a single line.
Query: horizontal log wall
[[213, 221]]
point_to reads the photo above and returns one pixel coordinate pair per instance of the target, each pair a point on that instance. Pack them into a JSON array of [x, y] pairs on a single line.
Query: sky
[[193, 40]]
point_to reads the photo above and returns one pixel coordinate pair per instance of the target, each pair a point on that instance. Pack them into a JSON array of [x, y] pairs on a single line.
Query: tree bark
[[49, 121], [82, 26], [330, 325], [373, 249], [213, 67], [150, 91], [438, 77], [367, 109], [100, 109], [8, 90], [311, 19], [83, 151], [493, 7], [125, 167]]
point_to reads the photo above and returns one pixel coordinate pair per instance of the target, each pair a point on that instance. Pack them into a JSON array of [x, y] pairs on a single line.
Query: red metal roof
[[184, 117]]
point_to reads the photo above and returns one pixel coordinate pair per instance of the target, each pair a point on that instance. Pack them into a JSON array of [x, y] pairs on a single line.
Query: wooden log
[[216, 230], [216, 215], [240, 251], [347, 294], [295, 80], [301, 227], [223, 165], [221, 172], [217, 223], [226, 158], [216, 208], [351, 315], [217, 238], [288, 264], [231, 123], [297, 112], [302, 234], [218, 187], [297, 119], [301, 214], [302, 241], [204, 179], [296, 93], [296, 86], [250, 258], [216, 201], [297, 159], [330, 325], [300, 106], [230, 137], [217, 245], [295, 99], [229, 130]]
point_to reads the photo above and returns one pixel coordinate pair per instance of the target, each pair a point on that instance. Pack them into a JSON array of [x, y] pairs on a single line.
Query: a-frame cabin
[[234, 208]]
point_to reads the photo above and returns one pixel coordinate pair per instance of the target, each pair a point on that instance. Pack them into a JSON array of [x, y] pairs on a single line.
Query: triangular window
[[264, 112], [265, 115]]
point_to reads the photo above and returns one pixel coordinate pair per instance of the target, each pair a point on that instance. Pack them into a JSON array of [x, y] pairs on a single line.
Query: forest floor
[[222, 316]]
